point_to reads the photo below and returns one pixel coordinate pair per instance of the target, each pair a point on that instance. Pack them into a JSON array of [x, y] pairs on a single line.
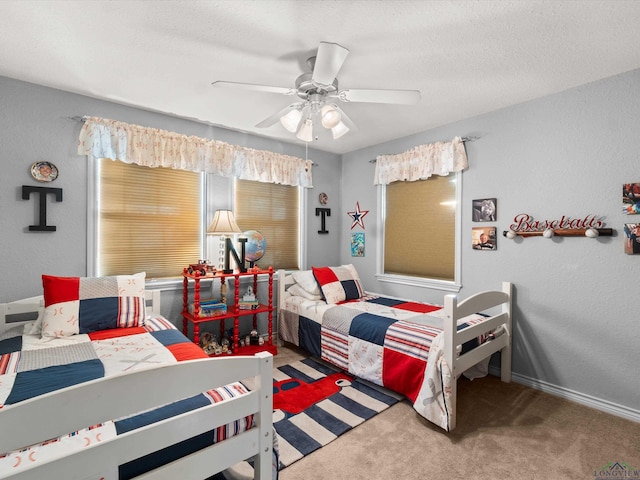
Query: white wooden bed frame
[[454, 338], [58, 413]]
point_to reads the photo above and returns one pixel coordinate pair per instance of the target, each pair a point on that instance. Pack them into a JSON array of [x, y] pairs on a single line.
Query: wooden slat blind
[[273, 210], [420, 228], [149, 218]]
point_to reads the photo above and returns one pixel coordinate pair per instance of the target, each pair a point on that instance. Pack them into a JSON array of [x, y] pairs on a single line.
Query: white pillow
[[298, 291], [307, 281]]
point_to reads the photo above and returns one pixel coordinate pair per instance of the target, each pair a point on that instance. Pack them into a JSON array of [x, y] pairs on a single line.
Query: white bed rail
[[20, 312], [100, 400]]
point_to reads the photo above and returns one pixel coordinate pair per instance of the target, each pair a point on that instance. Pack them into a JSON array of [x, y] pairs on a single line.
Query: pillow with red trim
[[338, 284], [75, 305]]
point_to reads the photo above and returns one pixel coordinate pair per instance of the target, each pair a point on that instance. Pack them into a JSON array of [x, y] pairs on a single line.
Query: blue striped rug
[[354, 402]]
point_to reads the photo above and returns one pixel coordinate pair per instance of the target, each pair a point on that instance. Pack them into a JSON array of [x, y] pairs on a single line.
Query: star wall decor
[[358, 216]]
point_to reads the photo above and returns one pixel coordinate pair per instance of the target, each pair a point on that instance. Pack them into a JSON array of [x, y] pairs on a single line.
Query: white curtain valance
[[151, 147], [421, 162]]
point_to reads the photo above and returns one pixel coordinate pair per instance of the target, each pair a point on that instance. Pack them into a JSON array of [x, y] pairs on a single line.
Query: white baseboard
[[581, 398]]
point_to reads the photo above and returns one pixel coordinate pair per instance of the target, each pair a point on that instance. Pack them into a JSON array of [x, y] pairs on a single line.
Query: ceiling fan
[[319, 93]]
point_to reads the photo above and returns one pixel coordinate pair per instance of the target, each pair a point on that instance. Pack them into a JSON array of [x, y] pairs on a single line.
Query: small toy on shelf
[[209, 344], [226, 345], [249, 296], [202, 267], [205, 339], [249, 300], [254, 338]]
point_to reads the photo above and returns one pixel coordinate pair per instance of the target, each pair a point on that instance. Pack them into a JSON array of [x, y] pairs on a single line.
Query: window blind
[[150, 220], [420, 228], [273, 210]]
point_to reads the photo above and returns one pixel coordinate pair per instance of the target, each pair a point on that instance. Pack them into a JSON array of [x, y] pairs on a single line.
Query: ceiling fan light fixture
[[291, 120], [320, 96], [339, 130], [330, 116], [306, 131]]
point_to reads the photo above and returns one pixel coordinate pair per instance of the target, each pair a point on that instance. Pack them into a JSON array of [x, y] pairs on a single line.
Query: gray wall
[[576, 321]]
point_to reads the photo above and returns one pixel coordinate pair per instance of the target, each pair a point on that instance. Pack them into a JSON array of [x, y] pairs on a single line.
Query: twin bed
[[134, 399], [416, 349], [95, 383]]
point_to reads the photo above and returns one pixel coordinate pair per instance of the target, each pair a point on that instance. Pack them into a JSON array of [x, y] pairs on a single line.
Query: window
[[421, 224], [148, 219], [273, 210], [152, 219]]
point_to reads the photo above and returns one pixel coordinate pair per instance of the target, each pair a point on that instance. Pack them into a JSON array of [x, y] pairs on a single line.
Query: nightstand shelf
[[233, 309]]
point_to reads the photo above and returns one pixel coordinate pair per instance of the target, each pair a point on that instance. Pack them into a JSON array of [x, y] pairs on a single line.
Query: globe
[[255, 247]]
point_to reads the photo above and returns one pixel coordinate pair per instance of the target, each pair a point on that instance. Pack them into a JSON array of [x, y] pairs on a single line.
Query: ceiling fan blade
[[254, 87], [329, 60], [270, 120], [403, 97]]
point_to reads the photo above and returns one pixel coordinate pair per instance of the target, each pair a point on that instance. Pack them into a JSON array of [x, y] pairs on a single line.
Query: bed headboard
[[285, 280], [23, 311]]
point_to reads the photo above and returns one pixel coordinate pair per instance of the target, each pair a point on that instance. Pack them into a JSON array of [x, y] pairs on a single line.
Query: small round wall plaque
[[44, 171]]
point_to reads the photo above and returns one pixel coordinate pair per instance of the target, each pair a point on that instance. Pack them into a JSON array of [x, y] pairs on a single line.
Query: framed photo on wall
[[485, 210], [632, 238], [357, 244], [631, 198], [484, 238]]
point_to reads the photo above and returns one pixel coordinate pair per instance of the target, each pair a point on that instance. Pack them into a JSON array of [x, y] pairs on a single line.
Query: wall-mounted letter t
[[323, 213], [42, 191]]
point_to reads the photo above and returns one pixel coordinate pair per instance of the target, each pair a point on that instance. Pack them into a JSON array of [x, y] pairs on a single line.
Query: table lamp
[[224, 224]]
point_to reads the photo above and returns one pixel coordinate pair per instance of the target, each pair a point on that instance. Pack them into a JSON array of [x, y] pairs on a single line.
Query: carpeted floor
[[505, 431]]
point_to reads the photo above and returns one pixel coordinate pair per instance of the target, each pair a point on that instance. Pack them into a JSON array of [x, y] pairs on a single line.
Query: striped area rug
[[314, 404]]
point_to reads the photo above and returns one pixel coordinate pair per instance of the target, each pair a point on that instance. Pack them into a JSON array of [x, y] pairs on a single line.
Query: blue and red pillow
[[338, 284], [75, 305]]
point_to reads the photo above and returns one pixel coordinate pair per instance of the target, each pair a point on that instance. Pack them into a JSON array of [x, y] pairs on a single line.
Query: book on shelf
[[248, 305], [210, 308], [211, 301]]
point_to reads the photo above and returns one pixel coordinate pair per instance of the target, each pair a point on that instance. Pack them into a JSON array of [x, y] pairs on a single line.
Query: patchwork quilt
[[32, 365], [392, 343]]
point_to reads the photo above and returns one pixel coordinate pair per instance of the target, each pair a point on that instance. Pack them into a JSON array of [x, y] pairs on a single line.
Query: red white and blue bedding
[[393, 343], [32, 365]]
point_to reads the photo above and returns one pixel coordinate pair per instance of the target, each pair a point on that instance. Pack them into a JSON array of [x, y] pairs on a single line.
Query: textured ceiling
[[466, 57]]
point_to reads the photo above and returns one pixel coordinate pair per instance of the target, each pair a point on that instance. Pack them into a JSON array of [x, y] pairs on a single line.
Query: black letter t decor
[[323, 212], [42, 191]]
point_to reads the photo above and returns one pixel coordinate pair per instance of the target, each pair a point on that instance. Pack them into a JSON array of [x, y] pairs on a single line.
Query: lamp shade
[[223, 223], [339, 130], [291, 120], [306, 131], [330, 116]]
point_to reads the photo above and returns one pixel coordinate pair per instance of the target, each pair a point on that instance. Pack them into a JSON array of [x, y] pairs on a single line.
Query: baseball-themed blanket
[[34, 364], [393, 343]]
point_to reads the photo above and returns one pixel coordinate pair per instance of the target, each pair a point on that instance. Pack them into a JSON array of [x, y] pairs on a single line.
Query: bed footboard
[[497, 326]]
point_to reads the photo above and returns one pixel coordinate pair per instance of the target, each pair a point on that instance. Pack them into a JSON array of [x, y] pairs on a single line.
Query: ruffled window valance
[[421, 162], [151, 147]]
